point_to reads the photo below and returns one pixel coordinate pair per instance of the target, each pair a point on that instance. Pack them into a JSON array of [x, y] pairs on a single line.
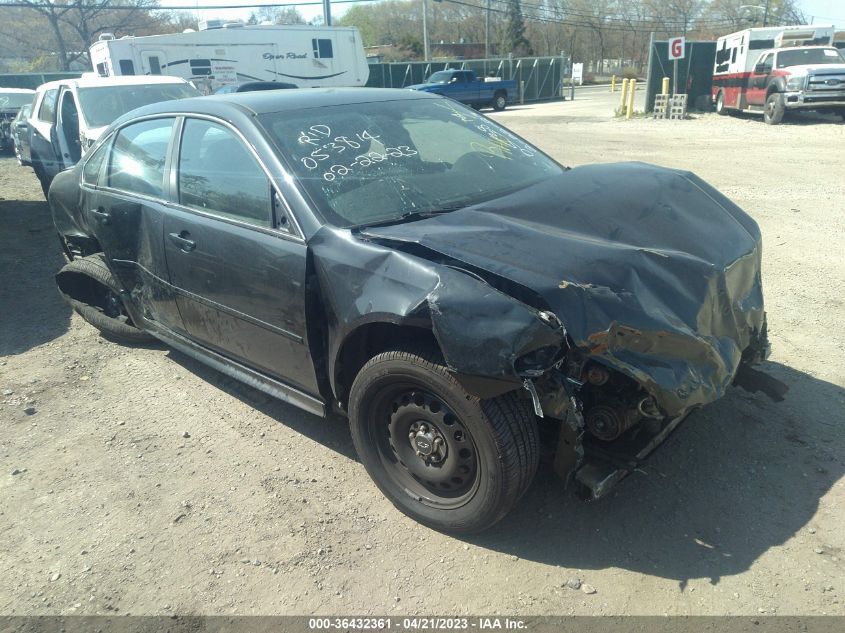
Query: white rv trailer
[[229, 54]]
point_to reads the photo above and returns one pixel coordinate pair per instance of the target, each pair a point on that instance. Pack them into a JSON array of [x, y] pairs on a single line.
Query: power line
[[605, 26], [190, 7]]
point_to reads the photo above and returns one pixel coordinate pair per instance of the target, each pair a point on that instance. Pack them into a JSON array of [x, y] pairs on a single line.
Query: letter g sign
[[676, 48]]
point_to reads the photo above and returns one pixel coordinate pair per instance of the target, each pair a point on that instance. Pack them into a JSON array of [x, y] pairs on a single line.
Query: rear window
[[101, 106]]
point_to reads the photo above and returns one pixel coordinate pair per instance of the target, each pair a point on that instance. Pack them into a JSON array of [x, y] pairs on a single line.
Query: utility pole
[[766, 15], [487, 32], [327, 12], [426, 51]]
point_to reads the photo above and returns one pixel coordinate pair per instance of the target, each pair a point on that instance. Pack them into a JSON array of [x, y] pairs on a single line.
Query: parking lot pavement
[[591, 103], [137, 480]]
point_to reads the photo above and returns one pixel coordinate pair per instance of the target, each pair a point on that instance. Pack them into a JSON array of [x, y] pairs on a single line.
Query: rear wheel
[[500, 101], [774, 109], [720, 103], [443, 457], [93, 292]]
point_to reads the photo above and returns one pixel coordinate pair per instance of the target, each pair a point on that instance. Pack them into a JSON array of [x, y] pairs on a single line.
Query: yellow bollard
[[665, 90], [632, 87], [624, 96], [613, 83]]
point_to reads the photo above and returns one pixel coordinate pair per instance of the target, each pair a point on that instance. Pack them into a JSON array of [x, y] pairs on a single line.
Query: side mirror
[[760, 69]]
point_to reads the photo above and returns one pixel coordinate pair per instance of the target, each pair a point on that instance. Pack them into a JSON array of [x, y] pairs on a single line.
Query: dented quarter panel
[[650, 270]]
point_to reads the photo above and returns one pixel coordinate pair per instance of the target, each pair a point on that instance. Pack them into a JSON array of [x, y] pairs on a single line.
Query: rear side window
[[47, 111], [155, 65], [92, 168], [138, 156], [219, 175]]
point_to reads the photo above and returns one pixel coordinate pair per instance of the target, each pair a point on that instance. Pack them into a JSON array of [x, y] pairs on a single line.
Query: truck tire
[[500, 101], [441, 456], [720, 104], [774, 109], [87, 284]]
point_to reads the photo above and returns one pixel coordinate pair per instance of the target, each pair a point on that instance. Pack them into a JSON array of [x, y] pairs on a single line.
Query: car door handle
[[101, 213], [182, 241]]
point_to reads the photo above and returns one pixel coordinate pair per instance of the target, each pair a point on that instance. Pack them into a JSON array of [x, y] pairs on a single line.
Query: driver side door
[[759, 79]]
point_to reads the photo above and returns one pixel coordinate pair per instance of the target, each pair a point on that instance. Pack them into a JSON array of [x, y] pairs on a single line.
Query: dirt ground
[[135, 480]]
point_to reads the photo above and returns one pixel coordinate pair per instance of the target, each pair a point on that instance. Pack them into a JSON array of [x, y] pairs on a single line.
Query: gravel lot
[[135, 480]]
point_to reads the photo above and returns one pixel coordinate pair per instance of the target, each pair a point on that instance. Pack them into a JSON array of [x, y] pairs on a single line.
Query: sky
[[826, 11], [308, 11]]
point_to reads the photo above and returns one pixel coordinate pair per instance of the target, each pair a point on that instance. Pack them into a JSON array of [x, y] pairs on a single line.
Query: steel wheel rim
[[447, 479], [770, 107]]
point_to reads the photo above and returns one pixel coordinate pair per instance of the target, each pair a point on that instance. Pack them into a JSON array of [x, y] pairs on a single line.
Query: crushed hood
[[651, 270]]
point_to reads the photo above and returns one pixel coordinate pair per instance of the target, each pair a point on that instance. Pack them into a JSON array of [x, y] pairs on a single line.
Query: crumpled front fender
[[480, 330]]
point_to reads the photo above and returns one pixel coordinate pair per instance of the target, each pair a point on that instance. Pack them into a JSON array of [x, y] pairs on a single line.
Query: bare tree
[[73, 25]]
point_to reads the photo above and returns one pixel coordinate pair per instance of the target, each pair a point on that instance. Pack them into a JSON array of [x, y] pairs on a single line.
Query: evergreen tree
[[515, 40]]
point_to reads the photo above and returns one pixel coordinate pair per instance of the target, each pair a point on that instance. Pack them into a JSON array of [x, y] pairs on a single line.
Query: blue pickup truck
[[466, 87]]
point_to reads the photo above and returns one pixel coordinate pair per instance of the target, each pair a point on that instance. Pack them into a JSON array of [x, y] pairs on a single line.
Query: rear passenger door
[[126, 211], [239, 275]]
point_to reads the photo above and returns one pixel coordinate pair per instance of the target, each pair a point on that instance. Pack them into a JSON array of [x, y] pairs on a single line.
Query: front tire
[[774, 109], [500, 101], [441, 456]]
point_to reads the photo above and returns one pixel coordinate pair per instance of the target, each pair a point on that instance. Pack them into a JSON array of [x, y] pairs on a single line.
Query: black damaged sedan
[[399, 258]]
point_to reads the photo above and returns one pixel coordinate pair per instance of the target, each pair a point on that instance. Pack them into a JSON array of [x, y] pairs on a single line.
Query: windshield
[[101, 106], [374, 162], [442, 77], [816, 56], [15, 100]]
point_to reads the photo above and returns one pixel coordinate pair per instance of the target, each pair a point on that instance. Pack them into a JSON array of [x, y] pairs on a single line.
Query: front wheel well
[[368, 341], [772, 89]]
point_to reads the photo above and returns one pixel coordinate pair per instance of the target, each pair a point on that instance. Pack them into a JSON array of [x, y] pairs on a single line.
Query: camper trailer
[[221, 55]]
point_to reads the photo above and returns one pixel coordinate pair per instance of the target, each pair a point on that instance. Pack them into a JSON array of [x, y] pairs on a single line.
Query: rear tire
[[774, 109], [720, 104], [441, 456], [106, 312], [500, 101]]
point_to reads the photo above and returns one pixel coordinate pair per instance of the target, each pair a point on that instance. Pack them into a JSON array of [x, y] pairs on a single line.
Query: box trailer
[[230, 54]]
